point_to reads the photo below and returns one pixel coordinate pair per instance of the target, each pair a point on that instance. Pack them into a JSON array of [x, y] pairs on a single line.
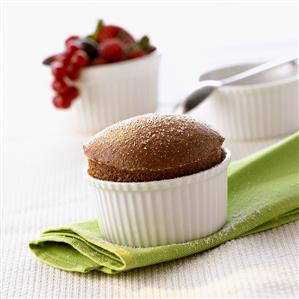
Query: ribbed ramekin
[[163, 212], [113, 92], [253, 111]]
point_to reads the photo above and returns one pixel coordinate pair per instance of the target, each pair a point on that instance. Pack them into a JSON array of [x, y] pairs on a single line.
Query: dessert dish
[[104, 77], [265, 106], [159, 179], [108, 44]]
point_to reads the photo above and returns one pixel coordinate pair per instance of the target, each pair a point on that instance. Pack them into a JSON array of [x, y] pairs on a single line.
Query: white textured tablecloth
[[44, 187]]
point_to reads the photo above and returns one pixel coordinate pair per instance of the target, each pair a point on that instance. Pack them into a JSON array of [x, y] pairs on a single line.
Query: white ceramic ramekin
[[163, 212], [266, 106], [113, 92]]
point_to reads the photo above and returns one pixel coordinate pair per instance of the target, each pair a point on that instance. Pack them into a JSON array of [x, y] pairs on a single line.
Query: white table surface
[[44, 187]]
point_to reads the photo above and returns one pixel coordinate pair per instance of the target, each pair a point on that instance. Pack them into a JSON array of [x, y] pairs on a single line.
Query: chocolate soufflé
[[153, 147]]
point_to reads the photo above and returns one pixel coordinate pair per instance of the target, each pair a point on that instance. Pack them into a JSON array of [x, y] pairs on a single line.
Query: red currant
[[58, 70], [60, 101], [73, 72], [59, 86], [64, 58], [80, 59], [71, 38], [71, 93], [72, 47]]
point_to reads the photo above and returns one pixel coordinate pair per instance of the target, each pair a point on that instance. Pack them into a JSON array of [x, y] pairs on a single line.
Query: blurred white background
[[191, 35]]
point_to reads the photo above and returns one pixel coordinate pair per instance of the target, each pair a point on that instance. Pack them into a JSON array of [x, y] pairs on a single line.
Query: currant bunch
[[66, 68]]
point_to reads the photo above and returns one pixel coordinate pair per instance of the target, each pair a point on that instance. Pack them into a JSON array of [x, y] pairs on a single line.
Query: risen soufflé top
[[153, 147]]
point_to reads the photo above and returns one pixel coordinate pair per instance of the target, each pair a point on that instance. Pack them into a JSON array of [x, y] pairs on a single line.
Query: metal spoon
[[206, 87]]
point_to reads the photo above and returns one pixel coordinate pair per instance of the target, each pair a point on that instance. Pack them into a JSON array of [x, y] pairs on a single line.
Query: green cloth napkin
[[263, 192]]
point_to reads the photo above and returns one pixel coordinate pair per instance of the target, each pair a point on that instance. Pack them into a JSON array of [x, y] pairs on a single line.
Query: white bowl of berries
[[104, 78]]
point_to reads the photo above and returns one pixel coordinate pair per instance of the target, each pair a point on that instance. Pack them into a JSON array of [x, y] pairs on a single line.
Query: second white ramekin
[[163, 212], [265, 107], [113, 92]]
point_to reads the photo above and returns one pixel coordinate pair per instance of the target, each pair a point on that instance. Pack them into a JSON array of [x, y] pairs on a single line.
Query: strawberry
[[112, 50], [126, 37], [105, 32]]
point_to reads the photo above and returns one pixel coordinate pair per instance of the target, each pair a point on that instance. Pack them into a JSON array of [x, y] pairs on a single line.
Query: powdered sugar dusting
[[228, 231], [153, 140], [144, 122]]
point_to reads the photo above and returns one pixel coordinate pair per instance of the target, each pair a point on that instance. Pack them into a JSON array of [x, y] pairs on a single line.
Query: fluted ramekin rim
[[261, 85]]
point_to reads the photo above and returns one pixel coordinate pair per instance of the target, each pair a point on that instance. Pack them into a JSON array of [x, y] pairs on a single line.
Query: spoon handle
[[258, 69]]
